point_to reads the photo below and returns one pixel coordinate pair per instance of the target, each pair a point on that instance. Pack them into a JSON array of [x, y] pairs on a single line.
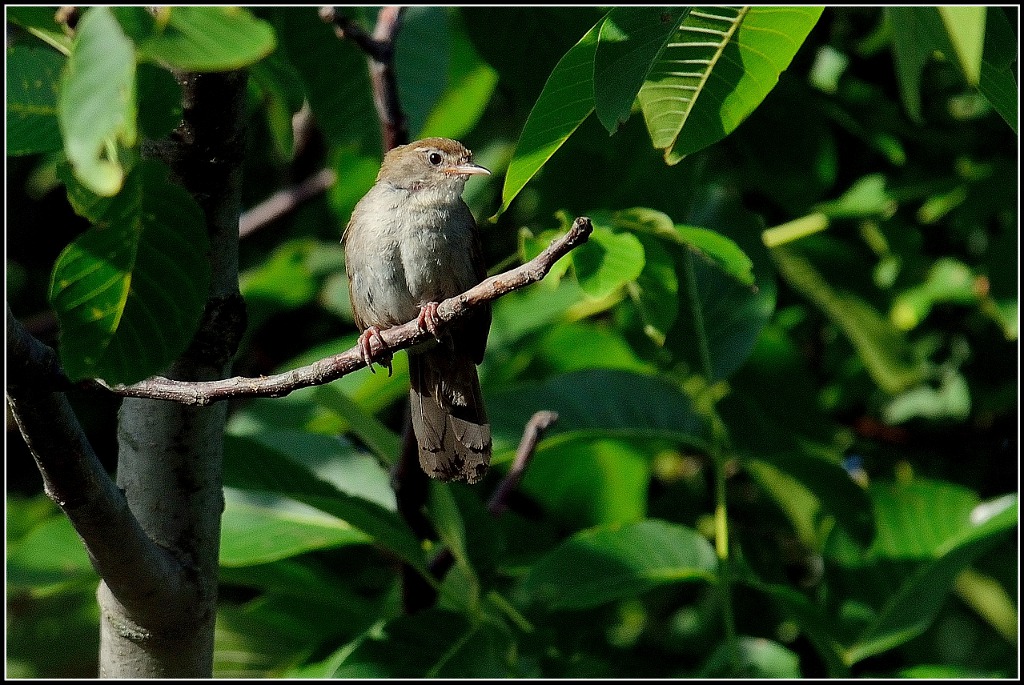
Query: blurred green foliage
[[807, 322]]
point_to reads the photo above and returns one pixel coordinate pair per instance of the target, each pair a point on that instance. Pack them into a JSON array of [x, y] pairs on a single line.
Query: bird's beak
[[469, 169]]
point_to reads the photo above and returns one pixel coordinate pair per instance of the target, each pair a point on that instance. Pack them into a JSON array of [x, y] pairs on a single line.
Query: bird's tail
[[448, 415]]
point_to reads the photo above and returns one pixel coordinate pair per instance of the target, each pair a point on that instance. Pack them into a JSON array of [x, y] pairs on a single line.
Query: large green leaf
[[257, 533], [953, 542], [199, 38], [719, 66], [757, 658], [422, 56], [343, 107], [607, 261], [998, 81], [602, 565], [250, 465], [712, 245], [129, 293], [282, 97], [567, 99], [597, 403], [630, 40], [836, 493], [719, 315], [48, 559], [96, 107], [978, 40], [965, 26], [591, 483], [32, 78]]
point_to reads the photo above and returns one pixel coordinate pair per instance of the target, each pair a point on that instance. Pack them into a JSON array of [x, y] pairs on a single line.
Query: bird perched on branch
[[412, 242]]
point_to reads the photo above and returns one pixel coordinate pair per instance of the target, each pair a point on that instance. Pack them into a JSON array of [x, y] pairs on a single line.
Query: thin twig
[[380, 51], [325, 370], [284, 201], [498, 504], [535, 428]]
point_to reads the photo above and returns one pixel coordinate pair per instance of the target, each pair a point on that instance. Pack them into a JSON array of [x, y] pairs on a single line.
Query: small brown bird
[[411, 243]]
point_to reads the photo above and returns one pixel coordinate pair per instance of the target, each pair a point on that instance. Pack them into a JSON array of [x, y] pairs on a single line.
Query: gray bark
[[170, 455]]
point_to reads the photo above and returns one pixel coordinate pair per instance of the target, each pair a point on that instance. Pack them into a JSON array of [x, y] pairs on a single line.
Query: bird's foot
[[366, 349], [427, 320]]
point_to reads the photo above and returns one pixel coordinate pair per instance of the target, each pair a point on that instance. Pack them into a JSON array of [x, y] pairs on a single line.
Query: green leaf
[[598, 566], [471, 83], [957, 32], [597, 403], [656, 290], [254, 534], [567, 99], [41, 22], [916, 519], [206, 38], [129, 293], [812, 622], [607, 261], [998, 83], [716, 69], [913, 608], [249, 465], [435, 643], [630, 40], [836, 493], [380, 439], [32, 77], [965, 26], [866, 197], [578, 345], [886, 353], [48, 559], [96, 107], [756, 658], [712, 245], [282, 95], [720, 250], [951, 401], [591, 483]]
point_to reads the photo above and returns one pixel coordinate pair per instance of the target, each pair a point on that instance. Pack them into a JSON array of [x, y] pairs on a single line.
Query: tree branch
[[284, 201], [380, 50], [201, 393], [73, 477]]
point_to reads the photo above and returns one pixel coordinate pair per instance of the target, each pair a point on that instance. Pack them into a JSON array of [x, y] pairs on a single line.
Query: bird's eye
[[434, 158]]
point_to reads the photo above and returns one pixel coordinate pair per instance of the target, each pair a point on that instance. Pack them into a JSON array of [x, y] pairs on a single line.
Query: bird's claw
[[366, 349], [428, 320]]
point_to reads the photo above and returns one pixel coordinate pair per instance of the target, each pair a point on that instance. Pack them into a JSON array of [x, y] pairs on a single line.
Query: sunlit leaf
[[249, 465], [630, 41], [200, 38], [254, 534], [97, 107], [601, 565], [716, 70], [567, 99], [129, 292], [886, 353]]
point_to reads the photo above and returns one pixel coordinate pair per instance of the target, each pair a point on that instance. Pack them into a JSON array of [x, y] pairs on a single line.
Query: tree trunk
[[170, 455]]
